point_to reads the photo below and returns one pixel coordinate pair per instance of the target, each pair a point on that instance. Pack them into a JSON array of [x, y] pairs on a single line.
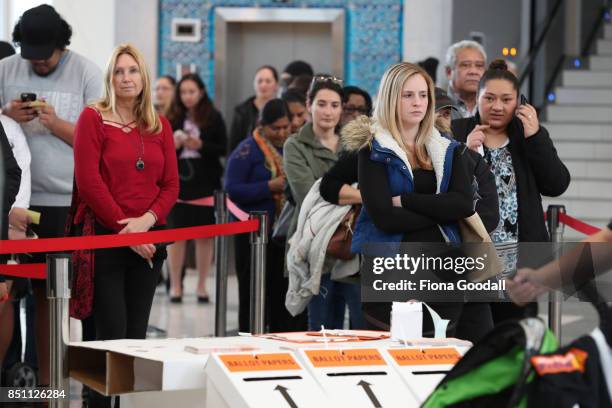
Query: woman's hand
[[193, 143], [179, 138], [528, 115], [277, 184], [140, 224], [476, 138], [522, 289], [19, 218], [397, 201]]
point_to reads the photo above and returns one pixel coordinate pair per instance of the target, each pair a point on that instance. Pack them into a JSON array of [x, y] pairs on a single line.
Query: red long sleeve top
[[106, 175]]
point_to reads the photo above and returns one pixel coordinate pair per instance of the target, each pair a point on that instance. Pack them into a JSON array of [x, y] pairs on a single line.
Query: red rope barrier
[[578, 225], [32, 271], [115, 240]]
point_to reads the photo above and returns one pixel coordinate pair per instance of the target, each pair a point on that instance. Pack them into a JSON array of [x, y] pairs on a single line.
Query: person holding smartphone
[[524, 162], [47, 71], [200, 139]]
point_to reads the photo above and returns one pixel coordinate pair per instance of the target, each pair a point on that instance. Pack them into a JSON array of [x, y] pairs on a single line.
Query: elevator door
[[251, 45]]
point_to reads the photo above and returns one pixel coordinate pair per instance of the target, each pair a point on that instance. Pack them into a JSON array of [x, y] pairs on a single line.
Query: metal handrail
[[593, 34], [535, 49]]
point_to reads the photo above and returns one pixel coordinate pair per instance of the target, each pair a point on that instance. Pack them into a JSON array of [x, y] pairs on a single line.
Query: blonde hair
[[144, 110], [386, 112]]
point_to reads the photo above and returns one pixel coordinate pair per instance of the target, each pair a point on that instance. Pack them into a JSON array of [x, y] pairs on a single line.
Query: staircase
[[580, 124]]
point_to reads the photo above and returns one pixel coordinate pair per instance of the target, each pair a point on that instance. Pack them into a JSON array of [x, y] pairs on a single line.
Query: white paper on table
[[406, 320]]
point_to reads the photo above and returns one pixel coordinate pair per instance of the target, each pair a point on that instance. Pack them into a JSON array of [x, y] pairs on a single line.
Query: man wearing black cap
[[444, 108], [45, 89]]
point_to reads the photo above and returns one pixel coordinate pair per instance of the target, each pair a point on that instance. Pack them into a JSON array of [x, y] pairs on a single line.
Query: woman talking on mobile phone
[[524, 162]]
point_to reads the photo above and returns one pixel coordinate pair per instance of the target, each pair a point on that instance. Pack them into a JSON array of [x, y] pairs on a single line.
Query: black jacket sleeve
[[341, 173], [243, 123], [487, 205], [453, 205], [552, 176], [12, 180], [215, 138], [376, 196]]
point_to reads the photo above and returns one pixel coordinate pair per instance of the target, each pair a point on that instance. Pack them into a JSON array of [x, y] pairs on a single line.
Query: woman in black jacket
[[200, 140], [523, 160], [9, 183], [247, 113]]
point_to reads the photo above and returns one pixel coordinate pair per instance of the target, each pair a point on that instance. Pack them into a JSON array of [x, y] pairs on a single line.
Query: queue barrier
[[57, 270]]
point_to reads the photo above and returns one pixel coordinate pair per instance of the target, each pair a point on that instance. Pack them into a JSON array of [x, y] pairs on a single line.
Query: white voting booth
[[422, 369], [357, 378], [253, 380]]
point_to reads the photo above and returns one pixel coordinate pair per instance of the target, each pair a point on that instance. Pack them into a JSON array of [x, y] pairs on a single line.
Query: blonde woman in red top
[[127, 181]]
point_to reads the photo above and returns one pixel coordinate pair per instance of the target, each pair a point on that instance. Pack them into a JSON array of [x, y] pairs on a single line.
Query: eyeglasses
[[327, 78]]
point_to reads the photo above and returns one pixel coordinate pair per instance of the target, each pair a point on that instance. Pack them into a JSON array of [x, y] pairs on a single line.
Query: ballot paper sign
[[422, 368], [274, 379], [357, 378]]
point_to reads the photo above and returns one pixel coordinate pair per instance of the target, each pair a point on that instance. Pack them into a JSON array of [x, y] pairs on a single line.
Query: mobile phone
[[524, 100], [28, 97]]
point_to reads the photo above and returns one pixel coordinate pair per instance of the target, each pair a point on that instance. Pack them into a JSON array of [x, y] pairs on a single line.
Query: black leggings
[[124, 286]]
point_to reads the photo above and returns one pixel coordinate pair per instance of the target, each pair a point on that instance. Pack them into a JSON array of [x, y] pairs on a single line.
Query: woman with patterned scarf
[[255, 180]]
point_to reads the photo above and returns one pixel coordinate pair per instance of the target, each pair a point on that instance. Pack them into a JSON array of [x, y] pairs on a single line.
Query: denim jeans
[[327, 308]]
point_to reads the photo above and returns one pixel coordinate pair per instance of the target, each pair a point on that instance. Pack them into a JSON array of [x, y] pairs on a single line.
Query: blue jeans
[[327, 308]]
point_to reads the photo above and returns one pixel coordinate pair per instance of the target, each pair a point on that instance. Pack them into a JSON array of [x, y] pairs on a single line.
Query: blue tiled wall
[[373, 35]]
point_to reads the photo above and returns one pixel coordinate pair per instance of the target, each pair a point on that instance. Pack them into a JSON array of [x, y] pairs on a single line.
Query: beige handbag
[[473, 231]]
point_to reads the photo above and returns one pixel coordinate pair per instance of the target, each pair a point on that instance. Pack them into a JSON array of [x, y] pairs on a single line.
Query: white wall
[[93, 27], [136, 22], [427, 31], [100, 25]]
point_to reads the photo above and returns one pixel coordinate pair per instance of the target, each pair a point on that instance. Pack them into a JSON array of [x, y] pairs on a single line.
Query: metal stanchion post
[[259, 242], [221, 261], [58, 294], [555, 228]]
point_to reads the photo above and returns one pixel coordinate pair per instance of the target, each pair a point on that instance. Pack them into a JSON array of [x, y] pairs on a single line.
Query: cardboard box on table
[[148, 367], [261, 379]]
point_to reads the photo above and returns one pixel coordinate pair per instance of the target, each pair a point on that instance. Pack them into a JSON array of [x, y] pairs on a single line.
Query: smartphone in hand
[[28, 97]]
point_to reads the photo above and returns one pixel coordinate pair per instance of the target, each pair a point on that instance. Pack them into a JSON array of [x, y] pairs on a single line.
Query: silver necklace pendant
[[140, 164]]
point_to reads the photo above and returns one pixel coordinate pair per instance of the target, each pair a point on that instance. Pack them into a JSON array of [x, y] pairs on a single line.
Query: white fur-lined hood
[[362, 131]]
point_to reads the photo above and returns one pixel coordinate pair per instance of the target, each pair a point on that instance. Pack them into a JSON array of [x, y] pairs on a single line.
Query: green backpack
[[495, 372]]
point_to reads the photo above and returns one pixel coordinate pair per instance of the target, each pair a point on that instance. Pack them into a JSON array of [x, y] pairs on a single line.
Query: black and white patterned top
[[500, 161]]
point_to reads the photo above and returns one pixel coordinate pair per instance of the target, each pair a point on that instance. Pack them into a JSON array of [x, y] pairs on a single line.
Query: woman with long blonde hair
[[127, 181], [414, 184]]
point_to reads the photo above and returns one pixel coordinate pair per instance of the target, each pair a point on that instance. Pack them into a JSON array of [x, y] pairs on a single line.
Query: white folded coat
[[317, 222]]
